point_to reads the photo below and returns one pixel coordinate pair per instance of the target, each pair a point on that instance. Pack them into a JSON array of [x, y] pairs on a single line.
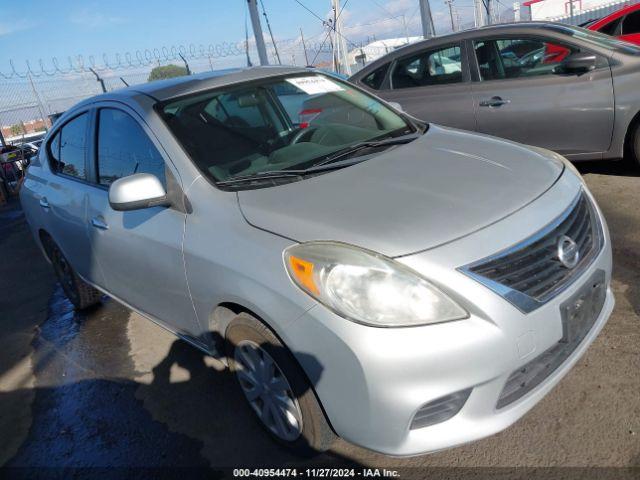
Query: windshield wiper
[[268, 175], [363, 145], [277, 174], [321, 166]]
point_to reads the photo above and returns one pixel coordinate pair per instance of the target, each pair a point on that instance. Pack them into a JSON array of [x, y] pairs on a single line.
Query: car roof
[[490, 29], [471, 33], [162, 90]]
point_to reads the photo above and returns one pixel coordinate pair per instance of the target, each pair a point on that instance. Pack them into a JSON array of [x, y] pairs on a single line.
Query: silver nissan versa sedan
[[555, 86], [405, 286]]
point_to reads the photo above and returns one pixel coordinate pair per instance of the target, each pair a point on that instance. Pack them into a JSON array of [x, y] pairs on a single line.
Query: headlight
[[367, 287]]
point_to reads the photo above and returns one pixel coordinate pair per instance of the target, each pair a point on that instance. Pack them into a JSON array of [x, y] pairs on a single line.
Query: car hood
[[440, 187]]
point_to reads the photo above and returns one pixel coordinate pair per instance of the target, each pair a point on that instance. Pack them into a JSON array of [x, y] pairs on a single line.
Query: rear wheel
[[276, 388], [79, 292], [633, 146]]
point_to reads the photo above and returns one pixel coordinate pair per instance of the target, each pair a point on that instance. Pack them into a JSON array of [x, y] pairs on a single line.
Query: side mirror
[[137, 191], [581, 62], [396, 105]]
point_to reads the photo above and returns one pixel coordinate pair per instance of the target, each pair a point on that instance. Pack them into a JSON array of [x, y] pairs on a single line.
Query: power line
[[320, 49], [384, 9], [325, 22]]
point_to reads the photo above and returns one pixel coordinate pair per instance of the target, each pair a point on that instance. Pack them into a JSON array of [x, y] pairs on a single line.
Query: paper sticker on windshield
[[315, 84]]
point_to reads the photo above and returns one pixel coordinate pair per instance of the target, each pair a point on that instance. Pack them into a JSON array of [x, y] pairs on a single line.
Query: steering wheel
[[302, 134]]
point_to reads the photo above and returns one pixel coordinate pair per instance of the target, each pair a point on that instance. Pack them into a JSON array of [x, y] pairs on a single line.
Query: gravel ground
[[108, 388]]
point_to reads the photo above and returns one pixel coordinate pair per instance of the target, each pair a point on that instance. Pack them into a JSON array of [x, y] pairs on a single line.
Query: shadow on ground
[[622, 168], [89, 412]]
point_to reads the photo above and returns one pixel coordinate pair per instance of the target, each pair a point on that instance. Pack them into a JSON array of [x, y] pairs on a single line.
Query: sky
[[31, 30]]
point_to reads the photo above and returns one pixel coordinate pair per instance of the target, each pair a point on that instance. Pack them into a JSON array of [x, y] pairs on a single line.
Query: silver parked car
[[405, 286], [559, 87]]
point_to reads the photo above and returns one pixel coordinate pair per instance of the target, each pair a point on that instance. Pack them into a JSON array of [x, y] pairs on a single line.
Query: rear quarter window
[[68, 147]]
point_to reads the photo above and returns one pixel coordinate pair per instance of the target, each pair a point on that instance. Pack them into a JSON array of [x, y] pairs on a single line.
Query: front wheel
[[79, 292], [276, 388]]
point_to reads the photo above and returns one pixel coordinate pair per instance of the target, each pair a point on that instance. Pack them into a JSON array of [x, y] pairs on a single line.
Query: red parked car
[[624, 24]]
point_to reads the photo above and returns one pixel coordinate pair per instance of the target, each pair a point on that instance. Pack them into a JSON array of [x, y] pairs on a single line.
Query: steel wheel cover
[[268, 391]]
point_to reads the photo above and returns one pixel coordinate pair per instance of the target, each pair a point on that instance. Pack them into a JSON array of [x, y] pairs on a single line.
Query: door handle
[[44, 203], [98, 222], [494, 102]]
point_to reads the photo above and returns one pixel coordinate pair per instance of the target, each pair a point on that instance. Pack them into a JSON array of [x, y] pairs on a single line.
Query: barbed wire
[[122, 61], [78, 64], [141, 58]]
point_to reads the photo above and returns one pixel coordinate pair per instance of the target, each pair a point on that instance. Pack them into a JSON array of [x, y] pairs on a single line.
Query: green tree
[[17, 129], [166, 71]]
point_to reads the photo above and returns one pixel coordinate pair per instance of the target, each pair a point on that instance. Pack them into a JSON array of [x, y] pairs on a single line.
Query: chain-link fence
[[32, 94]]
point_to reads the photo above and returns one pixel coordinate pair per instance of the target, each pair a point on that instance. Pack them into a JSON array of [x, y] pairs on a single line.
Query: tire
[[307, 431], [80, 293], [633, 146]]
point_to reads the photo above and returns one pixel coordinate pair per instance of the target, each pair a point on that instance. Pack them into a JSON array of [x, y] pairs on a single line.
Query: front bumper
[[372, 381]]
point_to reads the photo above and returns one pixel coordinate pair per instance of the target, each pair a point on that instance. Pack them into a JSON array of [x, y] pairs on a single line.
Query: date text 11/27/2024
[[316, 472]]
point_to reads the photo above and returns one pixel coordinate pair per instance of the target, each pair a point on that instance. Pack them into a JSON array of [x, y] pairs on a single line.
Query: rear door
[[433, 85], [139, 251], [521, 95], [64, 199]]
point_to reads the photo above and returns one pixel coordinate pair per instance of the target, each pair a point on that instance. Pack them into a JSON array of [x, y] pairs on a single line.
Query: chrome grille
[[530, 273]]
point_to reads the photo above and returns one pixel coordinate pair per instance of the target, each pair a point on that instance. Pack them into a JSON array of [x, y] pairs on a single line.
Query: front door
[[433, 85], [523, 96], [139, 251]]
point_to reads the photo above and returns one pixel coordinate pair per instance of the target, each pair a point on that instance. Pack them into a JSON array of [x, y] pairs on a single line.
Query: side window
[[124, 148], [374, 79], [68, 147], [612, 28], [631, 23], [516, 58], [434, 67]]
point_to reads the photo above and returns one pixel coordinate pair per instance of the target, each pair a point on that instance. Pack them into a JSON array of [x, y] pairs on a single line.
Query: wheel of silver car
[[633, 149], [268, 391], [276, 387], [80, 293]]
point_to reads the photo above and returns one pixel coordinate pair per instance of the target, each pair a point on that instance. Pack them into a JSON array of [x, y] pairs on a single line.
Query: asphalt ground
[[107, 392]]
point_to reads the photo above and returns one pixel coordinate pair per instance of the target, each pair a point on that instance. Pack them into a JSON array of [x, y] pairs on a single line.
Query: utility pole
[[571, 11], [479, 13], [266, 19], [339, 41], [428, 30], [304, 47], [257, 32], [450, 3]]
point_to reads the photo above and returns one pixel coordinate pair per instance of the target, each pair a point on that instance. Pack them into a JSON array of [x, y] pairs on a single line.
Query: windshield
[[292, 122], [599, 39]]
